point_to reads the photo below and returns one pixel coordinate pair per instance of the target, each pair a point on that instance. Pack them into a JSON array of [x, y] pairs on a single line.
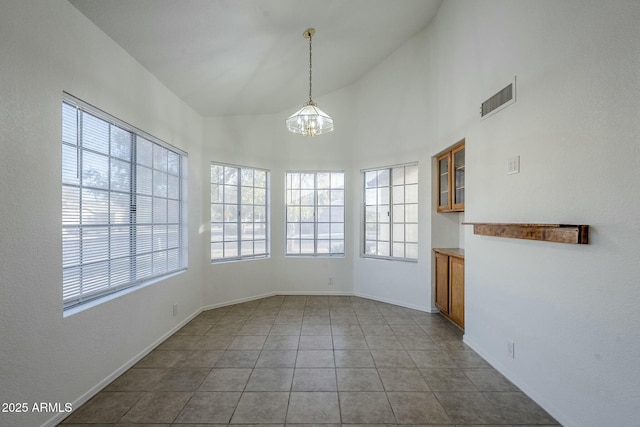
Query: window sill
[[314, 256], [384, 258], [67, 312], [232, 260]]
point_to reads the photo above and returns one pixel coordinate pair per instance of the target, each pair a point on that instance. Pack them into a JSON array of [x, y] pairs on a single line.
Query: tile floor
[[312, 360]]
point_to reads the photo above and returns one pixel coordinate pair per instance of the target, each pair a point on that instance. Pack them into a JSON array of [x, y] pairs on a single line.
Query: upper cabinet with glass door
[[450, 166]]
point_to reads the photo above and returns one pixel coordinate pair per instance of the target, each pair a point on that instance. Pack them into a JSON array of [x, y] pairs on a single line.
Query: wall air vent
[[499, 101]]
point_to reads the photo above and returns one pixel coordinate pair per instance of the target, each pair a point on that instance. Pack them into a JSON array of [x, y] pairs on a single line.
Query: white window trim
[[315, 254], [363, 205], [267, 220]]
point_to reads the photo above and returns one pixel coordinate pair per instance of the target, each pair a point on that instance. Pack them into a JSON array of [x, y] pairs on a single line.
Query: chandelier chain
[[310, 37]]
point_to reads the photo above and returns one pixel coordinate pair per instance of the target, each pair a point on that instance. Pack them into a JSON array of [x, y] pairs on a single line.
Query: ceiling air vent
[[499, 101]]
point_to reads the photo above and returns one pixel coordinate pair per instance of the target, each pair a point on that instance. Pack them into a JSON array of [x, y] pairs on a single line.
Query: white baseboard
[[316, 293], [238, 301], [401, 304], [319, 293]]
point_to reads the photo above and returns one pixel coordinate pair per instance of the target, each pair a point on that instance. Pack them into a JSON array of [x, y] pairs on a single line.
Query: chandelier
[[309, 120]]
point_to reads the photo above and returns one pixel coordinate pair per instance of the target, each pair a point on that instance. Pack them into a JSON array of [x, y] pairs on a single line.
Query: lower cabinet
[[442, 282], [449, 283]]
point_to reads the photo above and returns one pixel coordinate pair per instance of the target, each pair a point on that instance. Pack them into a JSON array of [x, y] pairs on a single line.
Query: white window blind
[[122, 205], [239, 212], [391, 212], [315, 213]]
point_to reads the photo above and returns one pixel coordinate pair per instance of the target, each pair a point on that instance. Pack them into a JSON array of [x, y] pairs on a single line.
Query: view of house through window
[[315, 213], [122, 205], [239, 212], [391, 212]]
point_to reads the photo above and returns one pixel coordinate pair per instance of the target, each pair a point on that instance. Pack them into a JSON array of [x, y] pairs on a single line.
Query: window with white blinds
[[122, 205], [391, 212]]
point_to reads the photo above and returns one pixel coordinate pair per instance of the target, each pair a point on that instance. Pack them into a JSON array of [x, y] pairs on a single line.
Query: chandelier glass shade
[[309, 120]]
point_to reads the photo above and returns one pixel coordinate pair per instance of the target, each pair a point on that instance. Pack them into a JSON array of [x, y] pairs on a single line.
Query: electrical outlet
[[175, 309], [330, 281], [511, 349]]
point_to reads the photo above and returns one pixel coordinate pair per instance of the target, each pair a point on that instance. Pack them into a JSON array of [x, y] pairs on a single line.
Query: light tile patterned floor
[[312, 360]]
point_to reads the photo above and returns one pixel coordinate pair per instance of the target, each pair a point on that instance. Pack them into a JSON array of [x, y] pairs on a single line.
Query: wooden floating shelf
[[560, 233]]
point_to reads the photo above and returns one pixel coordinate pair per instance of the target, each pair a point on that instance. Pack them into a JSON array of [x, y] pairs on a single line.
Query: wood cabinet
[[451, 169], [449, 283], [456, 290], [442, 282]]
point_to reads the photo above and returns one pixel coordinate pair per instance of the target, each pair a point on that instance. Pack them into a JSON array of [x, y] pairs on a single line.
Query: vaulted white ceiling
[[227, 57]]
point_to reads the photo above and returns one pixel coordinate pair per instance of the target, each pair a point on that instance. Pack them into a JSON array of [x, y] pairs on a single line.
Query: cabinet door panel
[[456, 272], [442, 282], [458, 167], [450, 186], [444, 182]]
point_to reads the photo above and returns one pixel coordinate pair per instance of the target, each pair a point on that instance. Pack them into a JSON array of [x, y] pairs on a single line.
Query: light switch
[[513, 165]]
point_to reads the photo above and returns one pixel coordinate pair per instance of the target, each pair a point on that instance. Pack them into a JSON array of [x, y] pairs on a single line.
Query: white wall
[[393, 124], [573, 311], [325, 152], [244, 141], [46, 48]]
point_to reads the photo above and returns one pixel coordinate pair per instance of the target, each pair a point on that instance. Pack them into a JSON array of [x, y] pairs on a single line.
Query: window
[[391, 212], [315, 213], [122, 205], [239, 212]]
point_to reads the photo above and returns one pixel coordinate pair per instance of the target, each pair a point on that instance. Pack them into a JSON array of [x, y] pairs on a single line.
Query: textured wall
[[47, 48], [573, 311]]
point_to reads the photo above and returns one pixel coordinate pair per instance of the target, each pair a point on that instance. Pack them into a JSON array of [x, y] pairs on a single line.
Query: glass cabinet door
[[451, 167], [458, 179], [443, 182]]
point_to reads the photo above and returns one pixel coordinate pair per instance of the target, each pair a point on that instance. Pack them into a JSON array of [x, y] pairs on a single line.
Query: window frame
[[238, 206], [390, 213], [315, 221], [123, 228]]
